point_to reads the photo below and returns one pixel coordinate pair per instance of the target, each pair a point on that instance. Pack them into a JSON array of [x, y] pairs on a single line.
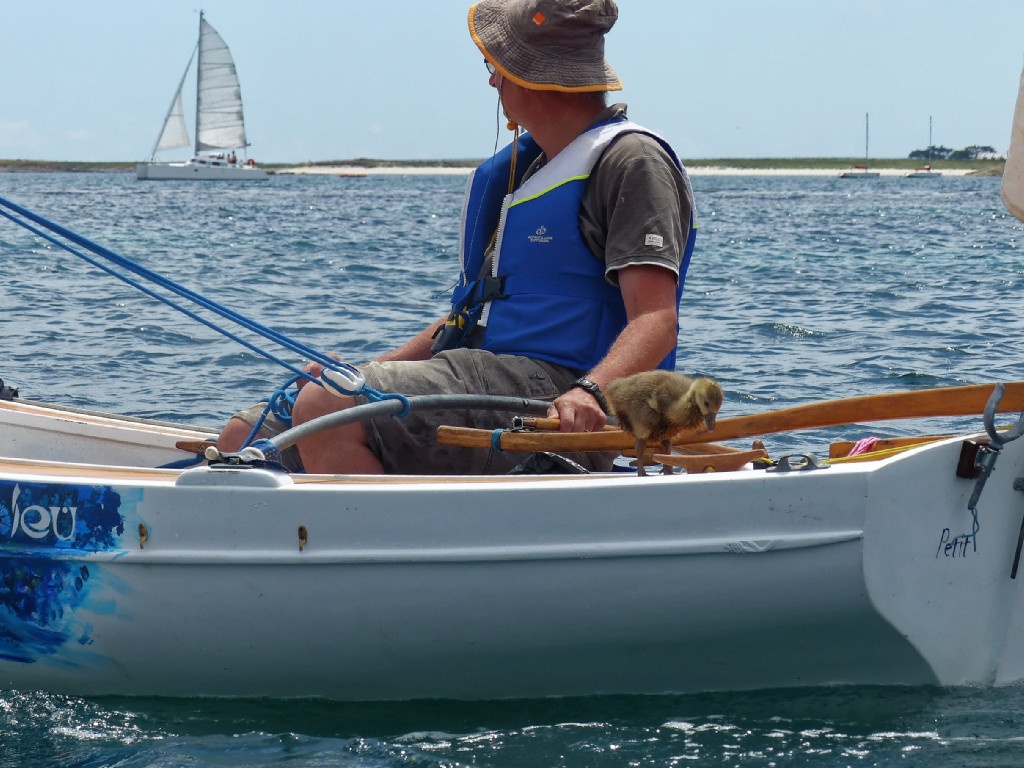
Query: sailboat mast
[[865, 139], [199, 70]]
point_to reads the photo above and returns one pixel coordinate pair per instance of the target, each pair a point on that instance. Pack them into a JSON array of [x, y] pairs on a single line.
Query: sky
[[91, 80]]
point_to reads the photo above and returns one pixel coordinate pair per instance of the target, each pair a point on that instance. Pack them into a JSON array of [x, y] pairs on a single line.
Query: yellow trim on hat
[[526, 83]]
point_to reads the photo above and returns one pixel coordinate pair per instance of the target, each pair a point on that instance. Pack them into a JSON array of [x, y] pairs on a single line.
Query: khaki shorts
[[408, 445]]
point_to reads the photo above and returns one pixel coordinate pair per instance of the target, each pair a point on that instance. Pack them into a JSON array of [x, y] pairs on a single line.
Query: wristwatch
[[588, 386]]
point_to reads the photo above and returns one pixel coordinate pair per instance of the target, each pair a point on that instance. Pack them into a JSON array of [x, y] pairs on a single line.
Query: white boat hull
[[248, 582], [201, 171]]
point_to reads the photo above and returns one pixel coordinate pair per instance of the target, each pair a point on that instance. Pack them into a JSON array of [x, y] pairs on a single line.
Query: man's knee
[[234, 434], [317, 401]]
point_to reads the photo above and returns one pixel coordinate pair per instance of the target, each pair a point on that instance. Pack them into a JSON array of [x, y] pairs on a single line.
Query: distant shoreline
[[693, 170], [716, 167]]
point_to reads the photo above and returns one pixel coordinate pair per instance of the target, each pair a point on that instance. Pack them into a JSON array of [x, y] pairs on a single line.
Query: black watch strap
[[588, 386]]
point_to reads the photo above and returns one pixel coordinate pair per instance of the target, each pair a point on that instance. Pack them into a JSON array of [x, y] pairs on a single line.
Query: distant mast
[[861, 171], [865, 140], [199, 81], [925, 172]]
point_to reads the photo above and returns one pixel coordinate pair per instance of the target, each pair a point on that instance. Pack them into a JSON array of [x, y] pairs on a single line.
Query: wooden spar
[[928, 403]]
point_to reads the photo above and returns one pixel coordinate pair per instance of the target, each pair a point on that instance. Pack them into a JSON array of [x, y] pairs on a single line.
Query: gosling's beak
[[710, 420]]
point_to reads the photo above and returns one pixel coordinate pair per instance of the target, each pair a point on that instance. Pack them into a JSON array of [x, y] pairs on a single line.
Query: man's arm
[[649, 293], [635, 191], [416, 348]]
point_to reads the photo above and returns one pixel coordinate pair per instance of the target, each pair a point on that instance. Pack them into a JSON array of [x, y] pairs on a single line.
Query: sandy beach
[[718, 171], [356, 171]]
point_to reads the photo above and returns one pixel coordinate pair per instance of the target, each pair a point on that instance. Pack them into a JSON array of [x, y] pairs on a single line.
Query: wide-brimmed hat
[[555, 45]]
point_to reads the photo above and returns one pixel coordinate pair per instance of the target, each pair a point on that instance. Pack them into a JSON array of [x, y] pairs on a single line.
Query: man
[[570, 281]]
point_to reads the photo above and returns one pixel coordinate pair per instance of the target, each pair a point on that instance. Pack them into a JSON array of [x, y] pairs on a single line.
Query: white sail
[[219, 122], [1013, 171], [174, 133]]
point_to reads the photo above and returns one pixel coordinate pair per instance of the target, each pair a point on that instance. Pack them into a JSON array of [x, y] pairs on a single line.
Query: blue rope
[[154, 277], [370, 394], [192, 461], [280, 405], [373, 394], [282, 401], [153, 294]]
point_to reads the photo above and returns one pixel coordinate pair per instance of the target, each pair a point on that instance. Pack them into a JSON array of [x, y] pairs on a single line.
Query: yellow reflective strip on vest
[[555, 186]]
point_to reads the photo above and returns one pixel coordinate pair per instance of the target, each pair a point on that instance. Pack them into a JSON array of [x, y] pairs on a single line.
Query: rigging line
[[497, 124], [138, 269], [464, 278], [153, 294], [162, 281]]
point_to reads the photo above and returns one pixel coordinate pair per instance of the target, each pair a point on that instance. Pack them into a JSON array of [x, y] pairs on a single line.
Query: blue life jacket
[[546, 295]]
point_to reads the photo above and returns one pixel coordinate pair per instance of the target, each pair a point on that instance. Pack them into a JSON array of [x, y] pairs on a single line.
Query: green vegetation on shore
[[27, 166], [979, 167]]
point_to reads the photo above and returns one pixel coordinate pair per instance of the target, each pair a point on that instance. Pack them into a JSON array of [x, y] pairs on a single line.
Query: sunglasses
[[490, 67]]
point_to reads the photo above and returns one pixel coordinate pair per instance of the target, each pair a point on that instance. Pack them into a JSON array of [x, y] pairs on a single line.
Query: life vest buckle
[[491, 288]]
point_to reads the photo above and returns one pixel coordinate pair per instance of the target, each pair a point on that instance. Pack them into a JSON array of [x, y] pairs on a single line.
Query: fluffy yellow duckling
[[654, 405]]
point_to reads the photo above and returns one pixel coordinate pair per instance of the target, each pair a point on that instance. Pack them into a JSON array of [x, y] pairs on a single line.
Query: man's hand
[[578, 411]]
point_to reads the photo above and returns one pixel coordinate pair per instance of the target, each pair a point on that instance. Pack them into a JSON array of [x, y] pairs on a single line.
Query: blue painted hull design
[[46, 531]]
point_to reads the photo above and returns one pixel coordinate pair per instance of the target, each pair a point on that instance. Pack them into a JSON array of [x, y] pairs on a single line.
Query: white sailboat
[[861, 171], [926, 172], [220, 125]]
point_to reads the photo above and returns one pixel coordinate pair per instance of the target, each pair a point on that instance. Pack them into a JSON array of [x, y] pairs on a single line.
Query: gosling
[[654, 405]]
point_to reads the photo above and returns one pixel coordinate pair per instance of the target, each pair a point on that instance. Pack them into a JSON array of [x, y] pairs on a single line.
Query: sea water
[[801, 289]]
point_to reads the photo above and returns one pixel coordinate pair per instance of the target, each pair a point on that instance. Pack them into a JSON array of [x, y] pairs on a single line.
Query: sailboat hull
[[203, 170], [120, 579]]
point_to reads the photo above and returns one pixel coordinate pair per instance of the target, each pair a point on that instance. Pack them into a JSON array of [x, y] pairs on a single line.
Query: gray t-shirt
[[636, 205]]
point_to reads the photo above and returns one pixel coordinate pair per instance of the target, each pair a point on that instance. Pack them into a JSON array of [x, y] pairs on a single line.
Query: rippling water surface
[[801, 289]]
